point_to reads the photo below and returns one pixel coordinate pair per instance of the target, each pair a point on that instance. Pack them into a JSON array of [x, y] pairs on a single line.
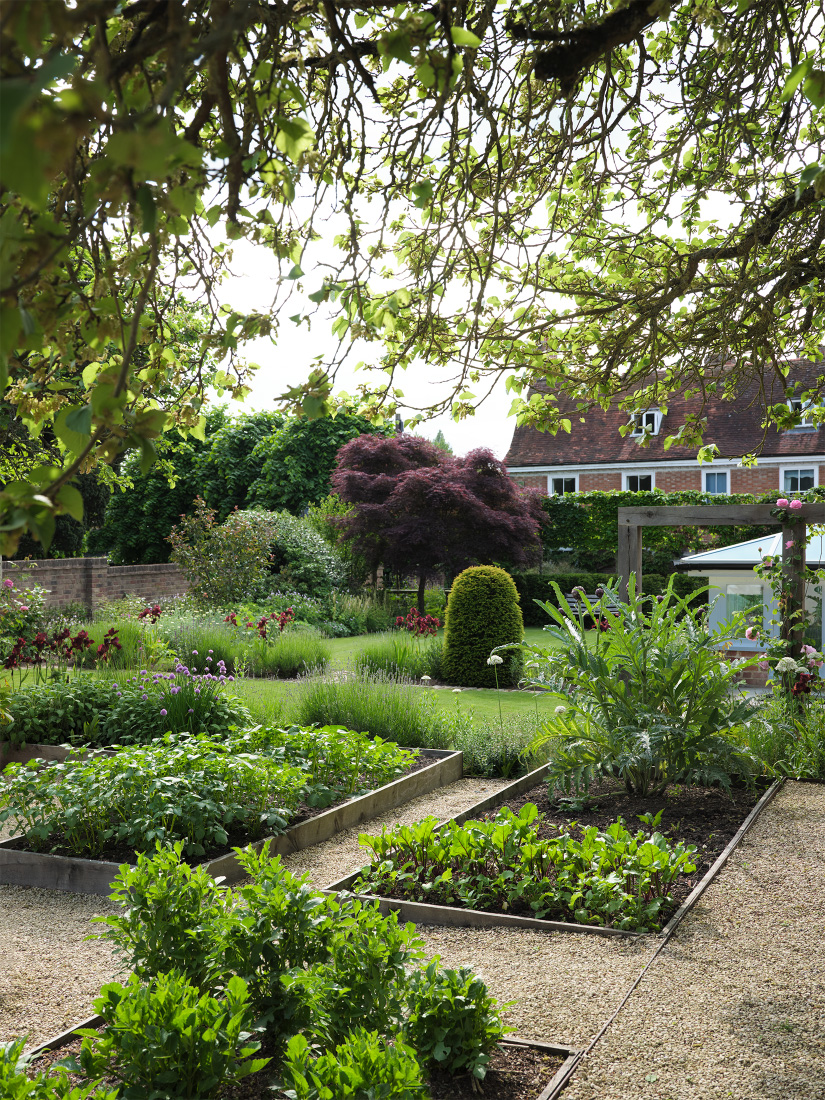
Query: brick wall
[[532, 481], [753, 676], [756, 479], [671, 481], [599, 479], [90, 581]]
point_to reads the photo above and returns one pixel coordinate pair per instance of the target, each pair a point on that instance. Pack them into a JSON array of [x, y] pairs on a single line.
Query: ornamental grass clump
[[401, 656], [649, 701]]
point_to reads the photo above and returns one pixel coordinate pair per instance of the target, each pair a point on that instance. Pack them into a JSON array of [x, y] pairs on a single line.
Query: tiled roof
[[734, 426]]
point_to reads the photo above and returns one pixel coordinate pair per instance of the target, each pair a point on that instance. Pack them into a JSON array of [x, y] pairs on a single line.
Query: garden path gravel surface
[[734, 1006]]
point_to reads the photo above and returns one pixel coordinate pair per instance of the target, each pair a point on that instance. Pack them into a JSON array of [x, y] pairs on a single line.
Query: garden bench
[[579, 607]]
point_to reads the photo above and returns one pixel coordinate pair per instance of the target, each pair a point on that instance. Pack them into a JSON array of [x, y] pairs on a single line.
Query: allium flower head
[[561, 710], [495, 660], [163, 712], [426, 679]]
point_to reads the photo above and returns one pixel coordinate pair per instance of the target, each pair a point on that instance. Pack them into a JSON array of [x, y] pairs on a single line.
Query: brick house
[[596, 456]]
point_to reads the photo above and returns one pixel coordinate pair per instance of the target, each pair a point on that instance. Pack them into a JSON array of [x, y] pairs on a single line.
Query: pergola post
[[792, 613], [630, 557]]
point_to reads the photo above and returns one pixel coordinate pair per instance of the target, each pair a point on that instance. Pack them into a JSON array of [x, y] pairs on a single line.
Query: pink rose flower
[[796, 505], [23, 607], [764, 666], [789, 544], [782, 503], [8, 584], [750, 633]]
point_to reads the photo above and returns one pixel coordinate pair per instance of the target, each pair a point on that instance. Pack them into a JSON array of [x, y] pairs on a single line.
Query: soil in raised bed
[[236, 838], [707, 817], [513, 1073]]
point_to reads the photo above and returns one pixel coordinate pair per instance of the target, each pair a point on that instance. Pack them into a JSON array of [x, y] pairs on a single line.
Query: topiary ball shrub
[[483, 612]]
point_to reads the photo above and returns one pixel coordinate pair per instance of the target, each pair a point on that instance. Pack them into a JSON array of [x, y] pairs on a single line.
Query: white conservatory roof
[[745, 555]]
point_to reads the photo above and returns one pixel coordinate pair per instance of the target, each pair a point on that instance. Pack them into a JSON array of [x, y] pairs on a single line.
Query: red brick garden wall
[[92, 580]]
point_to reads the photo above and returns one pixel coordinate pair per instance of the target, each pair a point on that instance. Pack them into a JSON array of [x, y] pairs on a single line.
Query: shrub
[[54, 1084], [787, 742], [452, 1022], [222, 563], [364, 1067], [21, 613], [165, 1040], [90, 711], [482, 614], [646, 700], [303, 559]]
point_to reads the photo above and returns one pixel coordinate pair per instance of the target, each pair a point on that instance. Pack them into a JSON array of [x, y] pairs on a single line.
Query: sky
[[287, 363]]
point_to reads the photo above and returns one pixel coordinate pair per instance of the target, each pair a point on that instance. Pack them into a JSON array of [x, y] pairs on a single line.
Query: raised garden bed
[[19, 867], [711, 820], [520, 1069]]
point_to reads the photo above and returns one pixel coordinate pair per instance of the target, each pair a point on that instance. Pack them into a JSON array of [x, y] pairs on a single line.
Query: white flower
[[787, 664], [495, 660], [456, 691], [561, 710], [426, 679]]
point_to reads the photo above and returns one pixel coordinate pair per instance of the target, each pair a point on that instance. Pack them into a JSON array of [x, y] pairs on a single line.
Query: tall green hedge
[[535, 586], [483, 612]]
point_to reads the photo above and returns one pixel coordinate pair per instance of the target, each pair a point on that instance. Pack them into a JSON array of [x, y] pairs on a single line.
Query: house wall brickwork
[[599, 479], [755, 479], [532, 481], [671, 481], [753, 676], [90, 581]]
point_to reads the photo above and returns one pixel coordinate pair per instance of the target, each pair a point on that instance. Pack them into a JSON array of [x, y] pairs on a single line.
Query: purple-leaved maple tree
[[419, 510]]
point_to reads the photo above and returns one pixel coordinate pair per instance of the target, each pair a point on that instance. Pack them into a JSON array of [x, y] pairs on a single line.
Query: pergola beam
[[632, 520]]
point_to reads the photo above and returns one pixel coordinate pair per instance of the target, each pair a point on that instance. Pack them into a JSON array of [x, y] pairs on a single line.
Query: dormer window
[[803, 410], [646, 423]]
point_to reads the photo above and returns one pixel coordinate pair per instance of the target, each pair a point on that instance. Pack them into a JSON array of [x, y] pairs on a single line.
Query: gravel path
[[734, 1007]]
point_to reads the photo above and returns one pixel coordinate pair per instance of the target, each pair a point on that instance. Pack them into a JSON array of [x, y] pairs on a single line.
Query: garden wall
[[90, 581]]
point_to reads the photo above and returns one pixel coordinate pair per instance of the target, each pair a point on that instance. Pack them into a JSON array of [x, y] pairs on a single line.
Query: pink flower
[[23, 607], [796, 505], [782, 503], [789, 544], [764, 666], [808, 650], [8, 584], [750, 633]]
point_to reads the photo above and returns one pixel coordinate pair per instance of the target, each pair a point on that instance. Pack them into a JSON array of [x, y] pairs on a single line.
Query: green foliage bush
[[301, 558], [21, 613], [90, 711], [787, 741], [167, 1040], [225, 562], [647, 701], [482, 614], [315, 967], [452, 1022], [363, 1067]]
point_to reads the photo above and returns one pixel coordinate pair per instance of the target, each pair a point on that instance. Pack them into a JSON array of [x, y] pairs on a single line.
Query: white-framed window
[[639, 483], [748, 598], [796, 479], [803, 408], [559, 484], [716, 482], [646, 423]]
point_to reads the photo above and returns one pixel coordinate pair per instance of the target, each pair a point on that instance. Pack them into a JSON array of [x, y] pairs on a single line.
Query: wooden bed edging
[[22, 754], [453, 916], [569, 1055], [87, 876]]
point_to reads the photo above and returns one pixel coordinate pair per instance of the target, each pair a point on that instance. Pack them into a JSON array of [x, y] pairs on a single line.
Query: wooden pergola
[[633, 520]]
